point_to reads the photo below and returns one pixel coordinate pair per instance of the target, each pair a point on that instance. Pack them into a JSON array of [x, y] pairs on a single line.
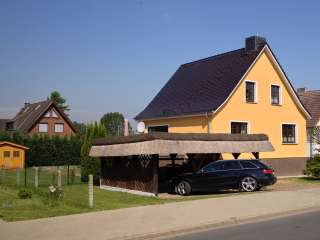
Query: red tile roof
[[311, 100]]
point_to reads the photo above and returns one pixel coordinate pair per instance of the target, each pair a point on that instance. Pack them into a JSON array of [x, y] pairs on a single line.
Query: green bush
[[24, 194], [313, 167]]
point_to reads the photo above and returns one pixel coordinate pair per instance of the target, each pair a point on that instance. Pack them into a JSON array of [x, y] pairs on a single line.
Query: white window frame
[[240, 121], [296, 133], [159, 125], [58, 124], [280, 94], [255, 91], [39, 128]]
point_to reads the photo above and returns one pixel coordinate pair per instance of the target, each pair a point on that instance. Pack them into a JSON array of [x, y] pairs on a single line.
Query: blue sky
[[116, 55]]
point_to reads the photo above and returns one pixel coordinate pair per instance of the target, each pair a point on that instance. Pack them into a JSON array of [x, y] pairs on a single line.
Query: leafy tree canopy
[[56, 97], [114, 123]]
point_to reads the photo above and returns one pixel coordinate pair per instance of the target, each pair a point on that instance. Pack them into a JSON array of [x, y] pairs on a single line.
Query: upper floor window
[[239, 128], [54, 114], [43, 127], [48, 114], [275, 95], [251, 92], [51, 113], [289, 133], [58, 127]]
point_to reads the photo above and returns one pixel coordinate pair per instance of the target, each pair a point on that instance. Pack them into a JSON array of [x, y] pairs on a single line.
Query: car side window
[[232, 165], [248, 165], [213, 167]]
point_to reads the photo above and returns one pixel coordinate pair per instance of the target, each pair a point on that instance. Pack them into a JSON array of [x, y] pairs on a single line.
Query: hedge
[[45, 150]]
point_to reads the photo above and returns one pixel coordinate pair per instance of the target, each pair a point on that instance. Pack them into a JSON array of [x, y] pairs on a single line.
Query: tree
[[314, 136], [91, 165], [313, 165], [80, 127], [56, 97], [114, 123]]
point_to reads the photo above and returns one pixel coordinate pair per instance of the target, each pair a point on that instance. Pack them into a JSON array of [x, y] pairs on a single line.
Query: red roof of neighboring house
[[311, 100], [27, 117]]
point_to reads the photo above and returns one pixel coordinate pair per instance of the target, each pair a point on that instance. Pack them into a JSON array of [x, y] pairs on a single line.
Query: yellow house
[[12, 155], [239, 92]]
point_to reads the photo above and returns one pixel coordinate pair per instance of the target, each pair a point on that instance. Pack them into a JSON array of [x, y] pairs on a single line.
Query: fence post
[[25, 175], [68, 175], [36, 177], [3, 175], [59, 178], [18, 176], [90, 191]]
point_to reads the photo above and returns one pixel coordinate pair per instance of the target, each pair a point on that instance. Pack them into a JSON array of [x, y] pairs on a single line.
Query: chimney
[[126, 127], [254, 43], [301, 91]]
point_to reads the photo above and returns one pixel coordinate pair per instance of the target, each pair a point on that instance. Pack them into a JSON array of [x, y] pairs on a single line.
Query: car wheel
[[183, 188], [248, 184]]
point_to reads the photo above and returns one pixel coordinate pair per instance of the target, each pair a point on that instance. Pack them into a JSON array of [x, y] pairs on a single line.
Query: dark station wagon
[[245, 175]]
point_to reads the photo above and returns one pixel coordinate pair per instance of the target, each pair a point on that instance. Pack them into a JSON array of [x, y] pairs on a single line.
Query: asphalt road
[[294, 227]]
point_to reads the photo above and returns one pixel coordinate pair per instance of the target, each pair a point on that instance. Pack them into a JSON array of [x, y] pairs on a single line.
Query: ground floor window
[[239, 128], [163, 128], [289, 133]]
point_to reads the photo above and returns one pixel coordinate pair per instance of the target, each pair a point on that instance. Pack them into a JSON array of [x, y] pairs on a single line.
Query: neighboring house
[[42, 118], [311, 99], [239, 92], [12, 155]]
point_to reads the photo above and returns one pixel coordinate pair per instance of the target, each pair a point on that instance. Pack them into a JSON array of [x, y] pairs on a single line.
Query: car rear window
[[248, 165]]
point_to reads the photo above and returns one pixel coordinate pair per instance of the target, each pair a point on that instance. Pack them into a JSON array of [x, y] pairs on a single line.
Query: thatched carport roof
[[179, 143]]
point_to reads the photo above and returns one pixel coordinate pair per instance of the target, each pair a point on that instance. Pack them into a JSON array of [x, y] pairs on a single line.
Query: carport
[[135, 163]]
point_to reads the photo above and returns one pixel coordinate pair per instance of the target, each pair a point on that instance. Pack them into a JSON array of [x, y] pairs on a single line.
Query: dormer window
[[251, 92]]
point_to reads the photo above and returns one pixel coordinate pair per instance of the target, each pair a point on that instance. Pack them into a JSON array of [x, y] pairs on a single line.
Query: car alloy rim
[[181, 188], [248, 184]]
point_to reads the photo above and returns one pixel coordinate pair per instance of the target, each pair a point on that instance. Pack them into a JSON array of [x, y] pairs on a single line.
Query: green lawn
[[75, 200]]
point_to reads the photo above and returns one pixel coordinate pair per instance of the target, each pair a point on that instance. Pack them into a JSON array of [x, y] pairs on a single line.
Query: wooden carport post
[[155, 160], [173, 158], [236, 155], [256, 155]]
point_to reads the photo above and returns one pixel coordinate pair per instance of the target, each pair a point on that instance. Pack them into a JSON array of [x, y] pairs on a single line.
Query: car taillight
[[267, 171]]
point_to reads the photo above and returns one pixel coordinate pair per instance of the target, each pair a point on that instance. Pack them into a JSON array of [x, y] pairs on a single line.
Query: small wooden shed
[[12, 155], [133, 163]]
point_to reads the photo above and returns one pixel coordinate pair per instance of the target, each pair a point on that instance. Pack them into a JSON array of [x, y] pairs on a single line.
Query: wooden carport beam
[[256, 155], [173, 157], [236, 155]]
